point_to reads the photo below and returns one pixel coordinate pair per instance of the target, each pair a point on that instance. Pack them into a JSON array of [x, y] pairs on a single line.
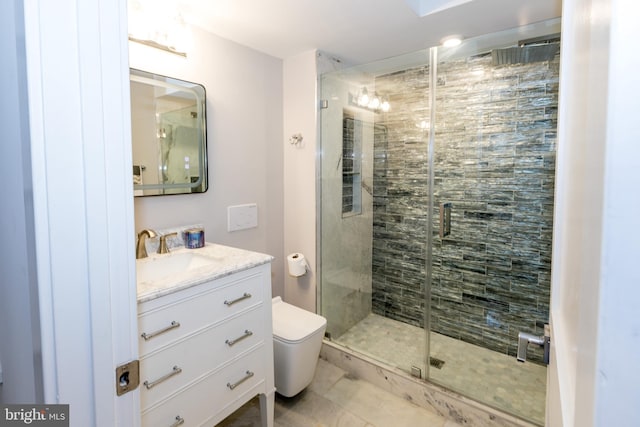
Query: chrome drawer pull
[[248, 375], [179, 421], [247, 334], [173, 325], [243, 297], [150, 385]]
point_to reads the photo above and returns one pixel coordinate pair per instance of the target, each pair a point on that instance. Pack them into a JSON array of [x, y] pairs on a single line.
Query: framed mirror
[[169, 135]]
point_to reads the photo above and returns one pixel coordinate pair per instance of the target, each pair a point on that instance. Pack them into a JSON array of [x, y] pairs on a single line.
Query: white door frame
[[593, 375], [578, 213], [77, 73]]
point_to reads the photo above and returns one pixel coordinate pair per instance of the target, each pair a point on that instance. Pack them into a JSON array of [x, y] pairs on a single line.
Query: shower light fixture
[[451, 41], [375, 103], [363, 98]]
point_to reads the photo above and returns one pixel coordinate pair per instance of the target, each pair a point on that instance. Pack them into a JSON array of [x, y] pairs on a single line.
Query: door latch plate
[[127, 377]]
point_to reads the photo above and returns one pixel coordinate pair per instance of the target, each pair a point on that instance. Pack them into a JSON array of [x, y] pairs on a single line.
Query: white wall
[[299, 76], [244, 140]]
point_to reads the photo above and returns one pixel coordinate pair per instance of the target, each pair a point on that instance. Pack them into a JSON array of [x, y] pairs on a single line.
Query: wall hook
[[295, 139]]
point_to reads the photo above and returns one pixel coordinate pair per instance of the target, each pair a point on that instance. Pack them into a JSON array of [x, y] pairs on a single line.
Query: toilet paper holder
[[297, 264]]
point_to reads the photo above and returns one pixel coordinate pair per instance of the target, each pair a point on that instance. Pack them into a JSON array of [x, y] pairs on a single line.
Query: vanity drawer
[[200, 403], [198, 355], [187, 311]]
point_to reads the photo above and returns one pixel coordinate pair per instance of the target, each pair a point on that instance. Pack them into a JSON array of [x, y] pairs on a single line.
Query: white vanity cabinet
[[207, 349]]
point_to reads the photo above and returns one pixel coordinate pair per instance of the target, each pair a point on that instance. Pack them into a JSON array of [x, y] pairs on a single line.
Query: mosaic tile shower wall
[[495, 163]]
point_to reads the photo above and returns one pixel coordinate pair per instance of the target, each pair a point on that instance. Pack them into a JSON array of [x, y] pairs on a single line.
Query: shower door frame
[[433, 79]]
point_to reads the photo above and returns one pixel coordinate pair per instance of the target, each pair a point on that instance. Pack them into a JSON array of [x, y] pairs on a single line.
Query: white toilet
[[297, 338]]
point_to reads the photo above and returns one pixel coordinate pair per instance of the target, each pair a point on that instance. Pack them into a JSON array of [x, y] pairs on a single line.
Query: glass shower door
[[436, 212], [493, 187]]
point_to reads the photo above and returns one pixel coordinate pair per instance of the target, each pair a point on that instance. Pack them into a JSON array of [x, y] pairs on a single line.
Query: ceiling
[[357, 31]]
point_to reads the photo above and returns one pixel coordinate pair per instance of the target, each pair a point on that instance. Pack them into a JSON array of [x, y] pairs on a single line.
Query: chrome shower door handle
[[445, 219]]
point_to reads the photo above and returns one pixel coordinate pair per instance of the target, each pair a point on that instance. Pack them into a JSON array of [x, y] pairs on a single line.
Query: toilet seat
[[292, 324]]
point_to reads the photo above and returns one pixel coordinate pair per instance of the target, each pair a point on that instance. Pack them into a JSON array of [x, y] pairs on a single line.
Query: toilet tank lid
[[292, 323]]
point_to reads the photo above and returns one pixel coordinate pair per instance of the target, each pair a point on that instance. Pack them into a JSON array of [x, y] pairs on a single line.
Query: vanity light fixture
[[158, 25], [157, 45], [451, 41]]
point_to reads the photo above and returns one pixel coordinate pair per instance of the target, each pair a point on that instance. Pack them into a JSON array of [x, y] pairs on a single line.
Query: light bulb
[[374, 103], [363, 100]]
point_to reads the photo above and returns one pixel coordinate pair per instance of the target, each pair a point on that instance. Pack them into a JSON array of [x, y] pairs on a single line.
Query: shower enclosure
[[436, 212]]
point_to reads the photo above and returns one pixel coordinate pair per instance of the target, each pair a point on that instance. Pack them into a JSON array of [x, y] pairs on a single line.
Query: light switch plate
[[241, 217]]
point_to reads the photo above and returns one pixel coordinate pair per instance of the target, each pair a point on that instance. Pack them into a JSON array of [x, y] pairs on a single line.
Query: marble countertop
[[225, 260]]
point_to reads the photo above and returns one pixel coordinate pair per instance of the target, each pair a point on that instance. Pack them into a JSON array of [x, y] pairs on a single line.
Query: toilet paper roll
[[297, 264]]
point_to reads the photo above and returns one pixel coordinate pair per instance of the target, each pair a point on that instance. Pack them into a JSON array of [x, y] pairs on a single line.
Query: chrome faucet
[[141, 249]]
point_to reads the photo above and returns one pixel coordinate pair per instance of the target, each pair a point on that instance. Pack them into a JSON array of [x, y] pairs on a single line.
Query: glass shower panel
[[372, 210], [346, 229], [494, 167]]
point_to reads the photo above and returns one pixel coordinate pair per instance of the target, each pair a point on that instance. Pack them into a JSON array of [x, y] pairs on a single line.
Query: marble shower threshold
[[441, 401]]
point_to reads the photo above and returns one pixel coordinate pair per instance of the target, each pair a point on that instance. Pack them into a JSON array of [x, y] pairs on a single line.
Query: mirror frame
[[199, 92]]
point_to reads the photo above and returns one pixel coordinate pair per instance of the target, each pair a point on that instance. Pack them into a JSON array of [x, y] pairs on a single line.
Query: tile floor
[[335, 400], [484, 375]]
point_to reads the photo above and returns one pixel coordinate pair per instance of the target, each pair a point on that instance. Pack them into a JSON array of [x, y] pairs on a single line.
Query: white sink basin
[[162, 266]]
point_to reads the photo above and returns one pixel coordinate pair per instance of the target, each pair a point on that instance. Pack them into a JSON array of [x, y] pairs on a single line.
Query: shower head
[[524, 54], [527, 51]]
